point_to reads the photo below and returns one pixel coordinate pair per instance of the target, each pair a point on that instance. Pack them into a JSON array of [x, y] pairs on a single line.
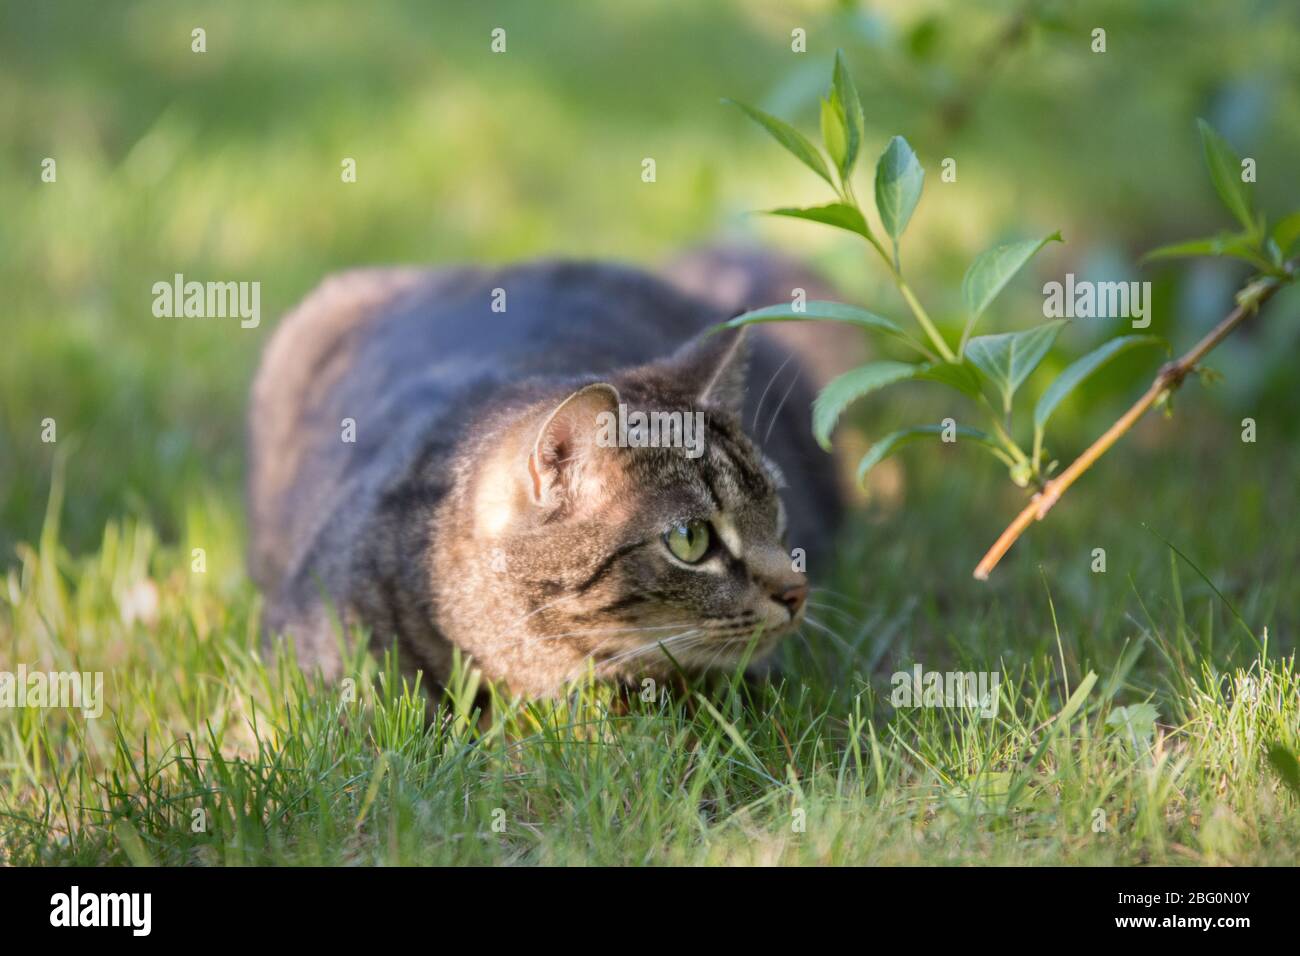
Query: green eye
[[688, 542]]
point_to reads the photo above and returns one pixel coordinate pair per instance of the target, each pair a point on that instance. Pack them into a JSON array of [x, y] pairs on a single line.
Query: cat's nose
[[792, 598]]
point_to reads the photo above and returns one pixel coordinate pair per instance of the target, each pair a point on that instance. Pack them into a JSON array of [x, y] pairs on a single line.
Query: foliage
[[998, 363]]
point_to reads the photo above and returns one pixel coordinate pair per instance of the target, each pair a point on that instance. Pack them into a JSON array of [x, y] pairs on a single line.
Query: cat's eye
[[689, 542]]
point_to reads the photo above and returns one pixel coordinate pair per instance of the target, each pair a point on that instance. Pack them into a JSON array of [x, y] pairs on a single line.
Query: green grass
[[819, 768]]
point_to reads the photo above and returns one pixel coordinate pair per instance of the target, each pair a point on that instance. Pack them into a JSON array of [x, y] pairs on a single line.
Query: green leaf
[[1225, 172], [959, 375], [1273, 251], [899, 178], [986, 793], [837, 214], [834, 135], [1077, 371], [846, 95], [1007, 359], [894, 441], [991, 271], [794, 141], [1236, 245], [1135, 723], [820, 310], [1286, 232], [844, 390]]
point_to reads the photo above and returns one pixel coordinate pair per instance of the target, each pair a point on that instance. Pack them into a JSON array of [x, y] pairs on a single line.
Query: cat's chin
[[725, 652]]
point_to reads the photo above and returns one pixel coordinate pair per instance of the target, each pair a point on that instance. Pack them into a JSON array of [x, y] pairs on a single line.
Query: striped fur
[[476, 510]]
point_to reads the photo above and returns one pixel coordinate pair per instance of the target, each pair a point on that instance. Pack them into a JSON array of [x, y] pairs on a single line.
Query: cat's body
[[474, 507]]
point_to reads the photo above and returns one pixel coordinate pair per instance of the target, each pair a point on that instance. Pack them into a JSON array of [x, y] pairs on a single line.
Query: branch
[[1167, 381], [954, 113]]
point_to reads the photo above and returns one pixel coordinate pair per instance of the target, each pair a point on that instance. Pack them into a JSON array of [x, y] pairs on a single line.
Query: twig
[[954, 113], [1169, 378]]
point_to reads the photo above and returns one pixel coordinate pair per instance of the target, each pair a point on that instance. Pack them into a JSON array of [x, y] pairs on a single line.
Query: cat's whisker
[[831, 634], [589, 662], [808, 618], [632, 654], [614, 630], [772, 424], [650, 648], [806, 643], [537, 610], [683, 642], [612, 633], [729, 644], [845, 615], [669, 638], [770, 382], [830, 592], [718, 655]]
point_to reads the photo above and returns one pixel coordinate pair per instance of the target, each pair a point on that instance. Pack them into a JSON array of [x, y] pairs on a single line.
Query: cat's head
[[634, 519]]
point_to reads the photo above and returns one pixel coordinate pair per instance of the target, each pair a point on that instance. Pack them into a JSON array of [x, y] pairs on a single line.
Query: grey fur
[[466, 514]]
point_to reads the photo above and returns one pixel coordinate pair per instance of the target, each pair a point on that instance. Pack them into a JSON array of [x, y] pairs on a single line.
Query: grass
[[215, 750]]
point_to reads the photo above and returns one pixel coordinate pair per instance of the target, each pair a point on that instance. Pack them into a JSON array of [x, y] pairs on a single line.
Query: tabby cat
[[428, 464]]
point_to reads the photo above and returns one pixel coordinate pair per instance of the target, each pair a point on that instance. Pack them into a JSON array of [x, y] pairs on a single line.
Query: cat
[[427, 463]]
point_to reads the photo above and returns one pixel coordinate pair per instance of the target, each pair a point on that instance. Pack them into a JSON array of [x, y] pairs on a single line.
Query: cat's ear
[[718, 363], [561, 463]]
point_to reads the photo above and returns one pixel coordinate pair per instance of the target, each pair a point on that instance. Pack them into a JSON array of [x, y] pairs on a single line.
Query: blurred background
[[226, 165]]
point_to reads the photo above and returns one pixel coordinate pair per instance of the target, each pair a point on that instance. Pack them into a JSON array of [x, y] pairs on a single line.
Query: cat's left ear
[[719, 363], [562, 462]]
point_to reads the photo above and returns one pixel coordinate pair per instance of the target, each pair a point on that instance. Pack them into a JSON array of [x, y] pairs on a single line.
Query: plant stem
[[1166, 382], [1003, 457], [923, 319], [1015, 454], [1010, 443]]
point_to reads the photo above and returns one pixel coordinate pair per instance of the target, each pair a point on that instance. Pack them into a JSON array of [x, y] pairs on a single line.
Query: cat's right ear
[[718, 364], [562, 462]]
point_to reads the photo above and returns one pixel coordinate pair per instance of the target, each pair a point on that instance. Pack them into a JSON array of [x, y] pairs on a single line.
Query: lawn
[[1147, 713], [216, 751]]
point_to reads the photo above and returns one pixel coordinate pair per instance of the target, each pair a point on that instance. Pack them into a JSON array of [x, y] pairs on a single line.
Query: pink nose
[[792, 598]]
